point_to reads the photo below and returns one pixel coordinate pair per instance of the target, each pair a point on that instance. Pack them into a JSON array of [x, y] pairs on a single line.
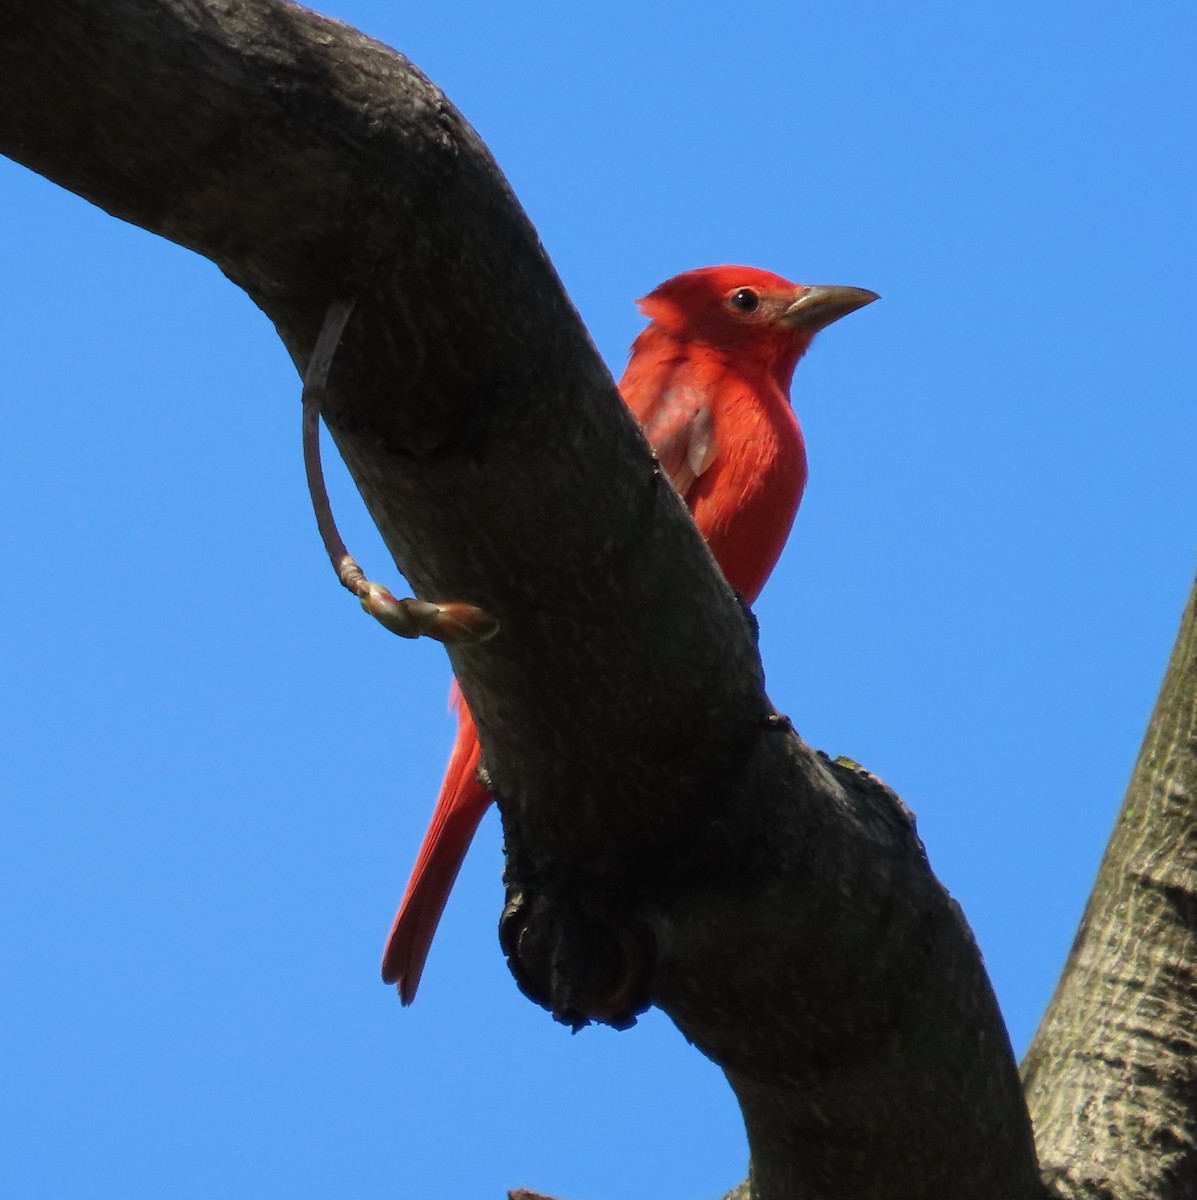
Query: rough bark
[[669, 838], [1111, 1077]]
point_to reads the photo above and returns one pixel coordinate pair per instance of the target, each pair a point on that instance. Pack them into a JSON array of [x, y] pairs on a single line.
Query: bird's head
[[749, 311]]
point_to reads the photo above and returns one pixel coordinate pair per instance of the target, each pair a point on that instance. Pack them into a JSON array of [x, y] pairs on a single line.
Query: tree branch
[[669, 838], [1111, 1077]]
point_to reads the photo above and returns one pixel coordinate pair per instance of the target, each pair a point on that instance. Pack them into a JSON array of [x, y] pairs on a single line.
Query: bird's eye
[[744, 300]]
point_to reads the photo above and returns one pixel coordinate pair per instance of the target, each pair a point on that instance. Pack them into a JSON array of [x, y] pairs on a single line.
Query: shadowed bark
[[1111, 1077], [670, 839]]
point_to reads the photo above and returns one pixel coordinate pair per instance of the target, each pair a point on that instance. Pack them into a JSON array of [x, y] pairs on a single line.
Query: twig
[[452, 622]]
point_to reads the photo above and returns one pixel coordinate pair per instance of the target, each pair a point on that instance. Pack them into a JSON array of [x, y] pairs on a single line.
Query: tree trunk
[[670, 839], [1111, 1076]]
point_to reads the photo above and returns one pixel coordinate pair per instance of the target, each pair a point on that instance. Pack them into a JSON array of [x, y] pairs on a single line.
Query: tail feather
[[459, 808]]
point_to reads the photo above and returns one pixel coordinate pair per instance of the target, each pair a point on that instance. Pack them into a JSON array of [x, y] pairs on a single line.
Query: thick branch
[[668, 838], [1112, 1074]]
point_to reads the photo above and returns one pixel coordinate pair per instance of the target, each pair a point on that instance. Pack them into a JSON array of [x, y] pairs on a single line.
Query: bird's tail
[[459, 809]]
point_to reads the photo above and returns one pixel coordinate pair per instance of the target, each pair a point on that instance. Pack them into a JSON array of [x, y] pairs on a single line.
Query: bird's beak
[[820, 305]]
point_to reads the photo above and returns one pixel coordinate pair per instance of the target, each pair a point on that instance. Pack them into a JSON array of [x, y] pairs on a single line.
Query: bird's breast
[[745, 502]]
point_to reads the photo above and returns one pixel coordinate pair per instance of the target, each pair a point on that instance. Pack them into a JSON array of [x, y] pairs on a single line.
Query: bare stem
[[452, 622], [314, 386]]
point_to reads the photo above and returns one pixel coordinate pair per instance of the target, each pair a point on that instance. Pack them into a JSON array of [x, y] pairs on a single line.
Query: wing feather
[[680, 426]]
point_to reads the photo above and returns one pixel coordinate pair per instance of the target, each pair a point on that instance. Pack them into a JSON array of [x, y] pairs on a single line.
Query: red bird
[[709, 381]]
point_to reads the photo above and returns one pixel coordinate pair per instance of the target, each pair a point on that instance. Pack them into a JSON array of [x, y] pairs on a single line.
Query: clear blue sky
[[202, 840]]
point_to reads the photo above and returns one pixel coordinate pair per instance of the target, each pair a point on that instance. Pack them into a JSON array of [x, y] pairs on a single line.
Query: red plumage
[[709, 381]]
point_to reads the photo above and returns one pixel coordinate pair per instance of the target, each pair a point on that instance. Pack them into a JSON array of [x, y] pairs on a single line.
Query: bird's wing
[[680, 426]]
